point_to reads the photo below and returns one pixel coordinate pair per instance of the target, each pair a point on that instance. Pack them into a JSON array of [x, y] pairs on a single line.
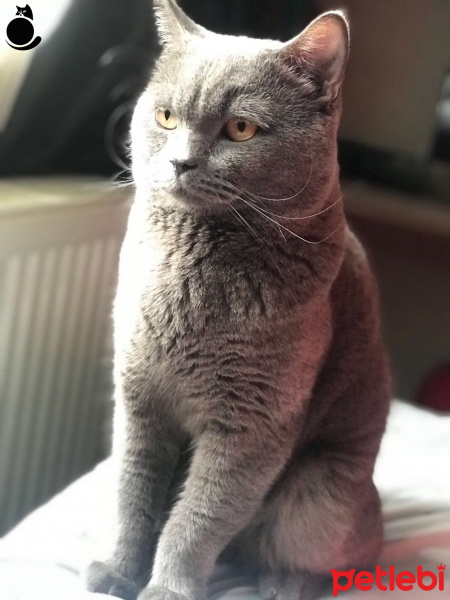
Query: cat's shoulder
[[356, 262], [355, 284]]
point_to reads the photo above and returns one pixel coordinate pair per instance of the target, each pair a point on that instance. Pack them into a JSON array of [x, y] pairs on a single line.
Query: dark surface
[[402, 172]]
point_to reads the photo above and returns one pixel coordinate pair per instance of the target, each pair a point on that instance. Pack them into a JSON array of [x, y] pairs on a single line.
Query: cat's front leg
[[147, 453], [231, 472]]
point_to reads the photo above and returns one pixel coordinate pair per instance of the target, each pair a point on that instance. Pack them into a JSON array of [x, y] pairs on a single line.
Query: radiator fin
[[54, 322]]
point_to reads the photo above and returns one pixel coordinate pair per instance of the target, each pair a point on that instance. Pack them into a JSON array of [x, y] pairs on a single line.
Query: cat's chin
[[198, 200]]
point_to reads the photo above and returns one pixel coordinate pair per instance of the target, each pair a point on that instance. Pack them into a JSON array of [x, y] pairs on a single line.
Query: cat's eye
[[240, 130], [166, 118]]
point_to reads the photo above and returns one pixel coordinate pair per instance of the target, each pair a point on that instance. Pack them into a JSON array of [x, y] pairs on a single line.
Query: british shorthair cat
[[251, 382]]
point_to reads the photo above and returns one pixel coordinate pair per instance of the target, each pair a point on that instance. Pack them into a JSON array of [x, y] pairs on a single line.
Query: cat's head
[[25, 12], [224, 114]]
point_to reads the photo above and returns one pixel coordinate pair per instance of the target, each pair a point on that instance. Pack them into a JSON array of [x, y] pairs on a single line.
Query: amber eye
[[240, 130], [166, 118]]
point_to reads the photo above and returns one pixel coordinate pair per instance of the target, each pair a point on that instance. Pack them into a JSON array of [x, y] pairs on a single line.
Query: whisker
[[263, 212], [218, 197], [251, 197], [257, 197], [233, 196], [241, 218], [281, 233], [286, 228], [123, 178], [264, 246], [282, 216], [304, 217]]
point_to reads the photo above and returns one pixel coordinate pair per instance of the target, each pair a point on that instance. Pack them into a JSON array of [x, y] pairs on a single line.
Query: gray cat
[[251, 381]]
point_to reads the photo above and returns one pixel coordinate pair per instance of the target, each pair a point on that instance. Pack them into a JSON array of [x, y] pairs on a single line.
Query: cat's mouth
[[198, 195]]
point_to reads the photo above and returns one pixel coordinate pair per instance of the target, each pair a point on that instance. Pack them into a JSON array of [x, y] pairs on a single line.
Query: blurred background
[[65, 109]]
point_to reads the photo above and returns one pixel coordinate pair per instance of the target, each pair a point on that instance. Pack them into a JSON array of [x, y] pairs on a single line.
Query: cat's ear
[[173, 24], [322, 48]]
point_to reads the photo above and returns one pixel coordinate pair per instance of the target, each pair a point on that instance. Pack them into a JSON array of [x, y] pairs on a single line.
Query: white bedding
[[42, 558]]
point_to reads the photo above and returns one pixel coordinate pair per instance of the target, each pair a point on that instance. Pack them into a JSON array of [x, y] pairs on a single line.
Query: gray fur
[[251, 382]]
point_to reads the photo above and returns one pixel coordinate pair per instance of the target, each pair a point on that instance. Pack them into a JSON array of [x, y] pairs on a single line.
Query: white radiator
[[59, 248]]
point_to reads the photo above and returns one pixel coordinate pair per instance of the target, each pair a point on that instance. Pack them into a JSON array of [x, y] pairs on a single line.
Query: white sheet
[[42, 558]]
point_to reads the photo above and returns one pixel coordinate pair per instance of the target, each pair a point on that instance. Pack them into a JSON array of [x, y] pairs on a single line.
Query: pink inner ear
[[323, 44], [326, 41]]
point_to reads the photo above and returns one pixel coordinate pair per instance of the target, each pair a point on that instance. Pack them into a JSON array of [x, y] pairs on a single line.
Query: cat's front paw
[[104, 579], [153, 592]]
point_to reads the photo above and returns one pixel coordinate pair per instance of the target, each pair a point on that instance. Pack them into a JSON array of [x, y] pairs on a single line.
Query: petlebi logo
[[20, 31], [388, 580]]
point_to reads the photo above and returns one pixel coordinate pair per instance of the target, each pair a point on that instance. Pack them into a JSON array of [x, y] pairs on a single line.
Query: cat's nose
[[182, 166]]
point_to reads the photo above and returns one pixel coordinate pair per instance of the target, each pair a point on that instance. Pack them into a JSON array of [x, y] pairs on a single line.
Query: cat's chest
[[188, 288], [196, 289]]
